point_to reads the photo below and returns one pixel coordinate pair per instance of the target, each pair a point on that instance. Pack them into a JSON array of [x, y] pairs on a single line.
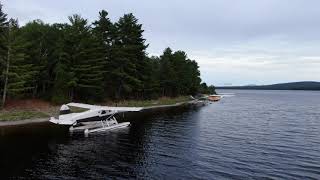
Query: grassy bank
[[21, 114], [146, 103], [35, 108]]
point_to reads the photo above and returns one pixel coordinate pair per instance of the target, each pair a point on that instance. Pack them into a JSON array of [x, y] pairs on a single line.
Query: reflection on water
[[256, 134]]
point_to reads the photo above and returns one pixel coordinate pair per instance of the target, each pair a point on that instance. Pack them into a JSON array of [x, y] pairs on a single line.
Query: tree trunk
[[6, 76], [34, 93], [118, 92], [43, 88], [71, 94]]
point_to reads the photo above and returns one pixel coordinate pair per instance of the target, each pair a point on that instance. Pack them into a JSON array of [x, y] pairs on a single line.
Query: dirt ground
[[31, 105]]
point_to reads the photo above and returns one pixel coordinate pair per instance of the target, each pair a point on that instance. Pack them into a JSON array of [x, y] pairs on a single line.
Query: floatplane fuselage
[[94, 119]]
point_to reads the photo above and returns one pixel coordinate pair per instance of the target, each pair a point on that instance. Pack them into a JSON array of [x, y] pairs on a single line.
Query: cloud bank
[[235, 42]]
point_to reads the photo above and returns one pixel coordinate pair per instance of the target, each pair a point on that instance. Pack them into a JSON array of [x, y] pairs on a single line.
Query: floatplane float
[[94, 119]]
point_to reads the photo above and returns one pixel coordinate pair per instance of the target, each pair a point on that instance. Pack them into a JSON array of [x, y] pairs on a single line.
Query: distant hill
[[304, 85]]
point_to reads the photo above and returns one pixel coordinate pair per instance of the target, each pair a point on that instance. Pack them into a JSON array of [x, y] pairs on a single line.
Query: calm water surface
[[253, 135]]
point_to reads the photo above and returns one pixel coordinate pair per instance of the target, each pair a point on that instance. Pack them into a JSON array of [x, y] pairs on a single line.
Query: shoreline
[[23, 122], [44, 120]]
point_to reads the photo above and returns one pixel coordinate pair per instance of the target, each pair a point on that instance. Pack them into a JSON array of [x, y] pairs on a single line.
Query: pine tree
[[3, 33], [129, 54], [80, 64], [167, 73], [178, 74], [19, 72], [187, 73], [151, 88], [103, 30], [192, 78], [42, 42], [90, 70], [3, 47]]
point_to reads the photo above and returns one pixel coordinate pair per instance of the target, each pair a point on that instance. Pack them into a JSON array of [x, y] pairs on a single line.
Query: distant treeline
[[90, 62], [305, 85]]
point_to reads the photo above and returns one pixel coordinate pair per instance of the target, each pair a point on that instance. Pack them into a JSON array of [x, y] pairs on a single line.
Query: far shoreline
[[269, 89], [294, 86]]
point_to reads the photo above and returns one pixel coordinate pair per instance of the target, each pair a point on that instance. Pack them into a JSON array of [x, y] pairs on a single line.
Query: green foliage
[[21, 72], [41, 47], [205, 89], [128, 64], [3, 33], [178, 74], [3, 45], [78, 61], [80, 67], [104, 31]]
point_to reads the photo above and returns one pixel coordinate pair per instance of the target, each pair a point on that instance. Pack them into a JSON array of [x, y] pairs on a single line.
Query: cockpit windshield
[[64, 110]]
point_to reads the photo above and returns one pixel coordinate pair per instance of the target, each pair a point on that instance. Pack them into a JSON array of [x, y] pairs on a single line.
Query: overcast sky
[[235, 42]]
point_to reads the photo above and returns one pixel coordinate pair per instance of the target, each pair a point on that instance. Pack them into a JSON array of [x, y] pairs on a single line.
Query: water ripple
[[253, 135]]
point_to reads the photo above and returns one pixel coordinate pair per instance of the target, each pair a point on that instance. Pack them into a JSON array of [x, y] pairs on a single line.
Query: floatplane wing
[[92, 113], [108, 108], [84, 106]]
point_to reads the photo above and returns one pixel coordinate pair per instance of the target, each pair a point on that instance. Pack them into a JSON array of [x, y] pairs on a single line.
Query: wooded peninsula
[[90, 62]]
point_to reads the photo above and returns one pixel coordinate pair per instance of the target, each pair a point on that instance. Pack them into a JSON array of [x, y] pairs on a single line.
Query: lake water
[[253, 135]]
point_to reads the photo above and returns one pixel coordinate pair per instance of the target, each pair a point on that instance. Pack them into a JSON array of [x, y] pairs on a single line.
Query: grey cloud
[[275, 31]]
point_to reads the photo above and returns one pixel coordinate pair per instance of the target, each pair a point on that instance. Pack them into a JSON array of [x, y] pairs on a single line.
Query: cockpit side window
[[65, 112]]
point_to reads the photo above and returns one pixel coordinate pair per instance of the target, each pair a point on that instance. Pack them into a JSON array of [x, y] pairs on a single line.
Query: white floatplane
[[95, 119]]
